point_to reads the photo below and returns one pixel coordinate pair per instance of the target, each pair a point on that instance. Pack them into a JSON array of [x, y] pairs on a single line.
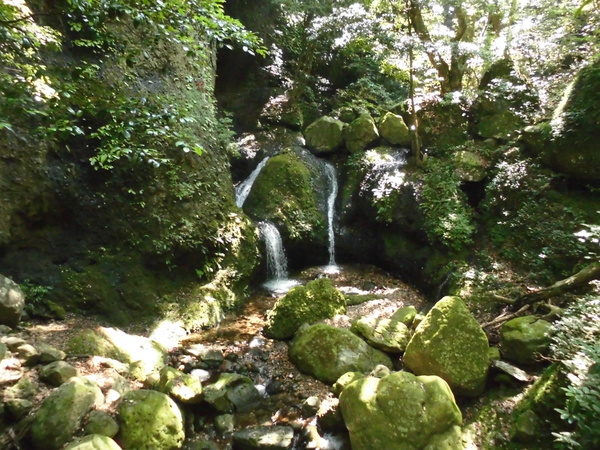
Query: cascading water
[[276, 261], [243, 189], [332, 178]]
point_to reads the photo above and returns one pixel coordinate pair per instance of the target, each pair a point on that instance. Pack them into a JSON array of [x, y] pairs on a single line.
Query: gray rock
[[232, 393], [101, 423], [93, 442], [149, 420], [13, 342], [57, 373], [272, 438], [62, 413], [28, 355], [523, 339], [12, 302], [50, 354]]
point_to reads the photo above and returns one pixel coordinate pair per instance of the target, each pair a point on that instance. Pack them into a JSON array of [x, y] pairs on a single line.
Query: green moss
[[318, 300]]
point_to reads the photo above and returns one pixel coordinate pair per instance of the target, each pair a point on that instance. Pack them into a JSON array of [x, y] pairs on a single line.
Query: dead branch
[[498, 321]]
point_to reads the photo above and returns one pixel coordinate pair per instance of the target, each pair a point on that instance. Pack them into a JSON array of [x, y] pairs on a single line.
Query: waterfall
[[243, 189], [276, 260], [331, 176]]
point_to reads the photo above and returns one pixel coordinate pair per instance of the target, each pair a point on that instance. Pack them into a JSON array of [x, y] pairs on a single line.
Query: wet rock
[[12, 302], [259, 438], [361, 134], [28, 355], [393, 129], [318, 300], [424, 413], [327, 353], [523, 339], [451, 344], [324, 135], [93, 442], [57, 373], [62, 412], [101, 423], [388, 335], [186, 389], [149, 420], [232, 393]]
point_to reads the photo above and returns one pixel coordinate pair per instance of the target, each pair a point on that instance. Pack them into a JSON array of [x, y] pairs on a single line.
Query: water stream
[[243, 189], [277, 272], [332, 178]]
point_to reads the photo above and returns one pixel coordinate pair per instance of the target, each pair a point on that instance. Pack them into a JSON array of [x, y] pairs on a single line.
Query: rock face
[[388, 335], [327, 353], [149, 420], [393, 129], [318, 300], [12, 302], [450, 343], [524, 338], [361, 134], [62, 412], [324, 135], [401, 411]]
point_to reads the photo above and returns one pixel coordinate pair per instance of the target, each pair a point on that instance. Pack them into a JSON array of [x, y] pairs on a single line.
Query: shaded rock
[[101, 423], [388, 335], [451, 344], [225, 423], [470, 166], [231, 393], [3, 350], [18, 407], [5, 330], [523, 339], [324, 135], [24, 389], [93, 442], [442, 124], [527, 428], [327, 353], [57, 373], [318, 300], [423, 409], [406, 315], [116, 344], [28, 355], [62, 412], [361, 134], [149, 420], [12, 302], [275, 438], [393, 129], [50, 354], [184, 388]]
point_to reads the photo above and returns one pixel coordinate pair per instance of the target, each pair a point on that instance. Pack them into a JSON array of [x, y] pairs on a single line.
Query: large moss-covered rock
[[149, 420], [185, 388], [231, 393], [361, 134], [523, 339], [318, 300], [451, 344], [327, 353], [401, 411], [93, 442], [389, 335], [324, 135], [393, 129], [291, 192], [62, 412], [12, 302], [116, 344], [470, 166]]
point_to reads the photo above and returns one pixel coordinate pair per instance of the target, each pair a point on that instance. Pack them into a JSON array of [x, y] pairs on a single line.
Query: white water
[[243, 189], [276, 261], [330, 170]]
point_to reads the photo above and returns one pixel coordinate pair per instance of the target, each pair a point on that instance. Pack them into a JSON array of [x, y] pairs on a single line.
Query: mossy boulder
[[361, 134], [184, 388], [291, 192], [451, 344], [93, 442], [99, 422], [324, 135], [231, 392], [149, 420], [405, 314], [389, 335], [394, 130], [470, 166], [327, 353], [401, 411], [62, 412], [57, 373], [318, 300], [113, 343], [524, 339]]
